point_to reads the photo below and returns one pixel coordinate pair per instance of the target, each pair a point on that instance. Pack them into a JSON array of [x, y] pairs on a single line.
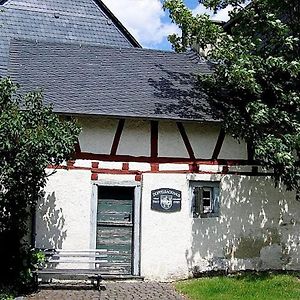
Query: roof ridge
[[190, 55]]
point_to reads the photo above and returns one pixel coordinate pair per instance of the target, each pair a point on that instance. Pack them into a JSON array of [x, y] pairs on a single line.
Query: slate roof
[[79, 21], [110, 81]]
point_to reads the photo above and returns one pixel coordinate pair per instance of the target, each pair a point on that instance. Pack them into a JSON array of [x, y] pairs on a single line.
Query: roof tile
[[110, 81], [78, 21]]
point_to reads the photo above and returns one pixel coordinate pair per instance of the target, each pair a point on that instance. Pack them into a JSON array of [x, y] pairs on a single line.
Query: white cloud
[[221, 15], [200, 9], [143, 19]]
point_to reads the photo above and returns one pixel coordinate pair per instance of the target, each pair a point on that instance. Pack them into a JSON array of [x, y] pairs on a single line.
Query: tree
[[255, 82], [31, 138]]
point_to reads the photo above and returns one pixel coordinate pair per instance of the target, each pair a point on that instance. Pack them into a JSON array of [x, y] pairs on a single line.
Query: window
[[205, 199]]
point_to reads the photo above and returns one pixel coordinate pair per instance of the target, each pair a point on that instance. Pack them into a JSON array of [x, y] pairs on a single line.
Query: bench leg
[[99, 284], [35, 280], [100, 287]]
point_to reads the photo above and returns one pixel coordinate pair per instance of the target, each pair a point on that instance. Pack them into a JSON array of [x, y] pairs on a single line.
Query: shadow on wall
[[258, 229], [50, 224]]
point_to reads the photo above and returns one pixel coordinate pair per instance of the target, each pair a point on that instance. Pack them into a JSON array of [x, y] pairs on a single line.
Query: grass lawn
[[242, 287]]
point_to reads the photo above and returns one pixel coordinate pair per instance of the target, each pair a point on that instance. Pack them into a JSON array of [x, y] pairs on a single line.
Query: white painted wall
[[170, 143], [165, 236], [98, 133], [258, 226], [135, 139], [64, 215], [203, 138], [232, 149]]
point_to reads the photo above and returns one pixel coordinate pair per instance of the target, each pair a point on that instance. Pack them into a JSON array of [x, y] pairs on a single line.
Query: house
[[155, 181]]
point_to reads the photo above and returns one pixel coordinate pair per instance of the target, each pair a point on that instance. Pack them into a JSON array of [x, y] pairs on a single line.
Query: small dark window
[[205, 199], [115, 192]]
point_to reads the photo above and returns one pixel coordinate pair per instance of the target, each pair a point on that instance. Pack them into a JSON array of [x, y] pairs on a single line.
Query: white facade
[[257, 227]]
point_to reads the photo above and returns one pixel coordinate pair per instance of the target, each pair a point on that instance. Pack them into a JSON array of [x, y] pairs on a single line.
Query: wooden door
[[115, 229]]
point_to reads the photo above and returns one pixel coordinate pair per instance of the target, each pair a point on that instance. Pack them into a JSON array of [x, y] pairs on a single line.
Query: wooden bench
[[68, 263]]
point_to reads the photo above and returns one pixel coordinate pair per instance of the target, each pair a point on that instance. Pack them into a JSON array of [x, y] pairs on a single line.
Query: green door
[[115, 229]]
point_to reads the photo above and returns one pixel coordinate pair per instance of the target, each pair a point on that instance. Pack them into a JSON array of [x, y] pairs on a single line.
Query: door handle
[[128, 217]]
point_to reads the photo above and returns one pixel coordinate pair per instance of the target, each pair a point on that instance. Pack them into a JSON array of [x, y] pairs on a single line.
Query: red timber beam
[[97, 170], [186, 141], [77, 147], [250, 152], [147, 159], [117, 137], [154, 139]]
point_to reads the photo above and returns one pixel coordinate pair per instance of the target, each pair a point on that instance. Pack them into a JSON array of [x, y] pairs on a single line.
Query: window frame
[[197, 208]]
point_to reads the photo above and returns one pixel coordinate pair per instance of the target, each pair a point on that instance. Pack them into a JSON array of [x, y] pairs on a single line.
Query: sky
[[149, 24]]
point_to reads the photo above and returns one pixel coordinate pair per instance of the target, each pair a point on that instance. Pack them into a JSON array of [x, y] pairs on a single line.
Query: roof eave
[[154, 118]]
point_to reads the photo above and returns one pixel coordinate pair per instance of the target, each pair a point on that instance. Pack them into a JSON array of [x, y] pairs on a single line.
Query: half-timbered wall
[[257, 226], [136, 138]]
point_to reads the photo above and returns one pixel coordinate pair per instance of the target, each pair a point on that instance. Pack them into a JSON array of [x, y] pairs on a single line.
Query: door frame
[[136, 241]]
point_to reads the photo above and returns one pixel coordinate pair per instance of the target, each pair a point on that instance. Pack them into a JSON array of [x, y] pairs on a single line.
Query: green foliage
[[6, 295], [32, 259], [256, 79], [31, 138], [247, 287]]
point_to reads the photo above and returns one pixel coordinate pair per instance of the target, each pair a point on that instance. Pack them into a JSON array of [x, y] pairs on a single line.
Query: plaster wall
[[203, 138], [135, 139], [170, 143], [232, 148], [63, 217], [98, 134], [257, 228]]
